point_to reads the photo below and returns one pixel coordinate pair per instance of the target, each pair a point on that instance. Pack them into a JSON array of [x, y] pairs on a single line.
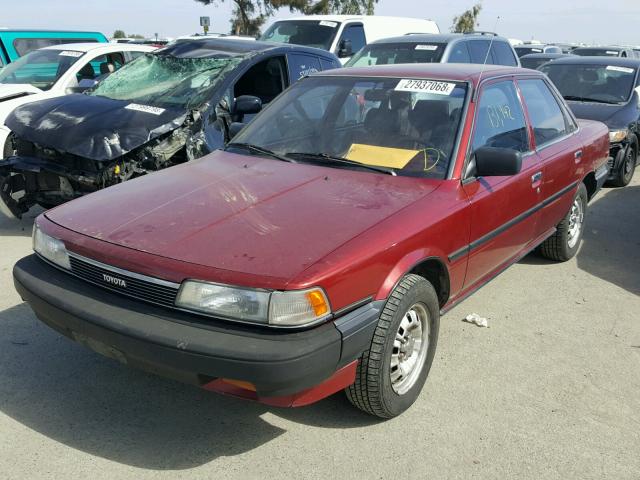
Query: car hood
[[614, 116], [9, 91], [243, 214], [93, 127]]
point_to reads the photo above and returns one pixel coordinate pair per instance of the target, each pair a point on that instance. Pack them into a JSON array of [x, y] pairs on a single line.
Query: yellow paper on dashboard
[[380, 156]]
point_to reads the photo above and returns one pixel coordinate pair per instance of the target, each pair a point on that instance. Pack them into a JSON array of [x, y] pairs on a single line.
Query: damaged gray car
[[165, 108]]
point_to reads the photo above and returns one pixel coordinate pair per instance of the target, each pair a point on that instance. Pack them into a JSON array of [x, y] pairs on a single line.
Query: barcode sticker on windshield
[[145, 108], [70, 53], [425, 86], [326, 23], [611, 52], [620, 69], [426, 47]]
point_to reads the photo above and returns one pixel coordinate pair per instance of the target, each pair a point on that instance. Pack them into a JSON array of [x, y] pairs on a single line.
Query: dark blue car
[[607, 90], [165, 108]]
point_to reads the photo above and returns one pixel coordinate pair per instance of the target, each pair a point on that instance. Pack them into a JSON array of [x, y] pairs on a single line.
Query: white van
[[343, 35]]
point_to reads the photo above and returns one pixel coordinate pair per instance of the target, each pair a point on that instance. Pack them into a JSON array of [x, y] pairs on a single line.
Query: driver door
[[503, 208]]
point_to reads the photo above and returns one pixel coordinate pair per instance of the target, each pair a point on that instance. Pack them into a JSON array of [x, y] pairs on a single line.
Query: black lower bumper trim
[[177, 345]]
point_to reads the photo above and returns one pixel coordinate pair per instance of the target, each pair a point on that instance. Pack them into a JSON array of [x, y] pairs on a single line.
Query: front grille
[[131, 284]]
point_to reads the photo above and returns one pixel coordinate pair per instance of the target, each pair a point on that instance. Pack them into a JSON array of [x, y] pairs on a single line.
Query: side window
[[327, 64], [302, 65], [546, 116], [355, 33], [478, 50], [459, 53], [500, 119], [130, 56], [502, 54], [264, 80]]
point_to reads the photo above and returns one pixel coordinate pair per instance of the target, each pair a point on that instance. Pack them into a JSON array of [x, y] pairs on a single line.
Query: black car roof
[[437, 38], [224, 47], [600, 47], [613, 61], [545, 55]]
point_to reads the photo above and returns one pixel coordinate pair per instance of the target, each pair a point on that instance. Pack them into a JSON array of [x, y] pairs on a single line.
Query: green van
[[16, 43]]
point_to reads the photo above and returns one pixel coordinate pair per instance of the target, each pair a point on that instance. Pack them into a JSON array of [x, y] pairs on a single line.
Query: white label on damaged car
[[326, 23], [70, 53], [620, 69], [427, 47], [425, 86], [145, 108]]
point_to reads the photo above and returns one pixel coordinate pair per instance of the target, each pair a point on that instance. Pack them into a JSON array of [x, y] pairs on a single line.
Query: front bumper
[[185, 347]]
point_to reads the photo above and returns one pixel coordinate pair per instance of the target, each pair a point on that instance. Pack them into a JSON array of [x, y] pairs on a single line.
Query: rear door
[[559, 155], [503, 209]]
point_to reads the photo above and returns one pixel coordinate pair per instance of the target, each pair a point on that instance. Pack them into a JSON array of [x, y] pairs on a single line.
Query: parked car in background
[[343, 35], [17, 43], [168, 107], [529, 48], [605, 89], [567, 48], [442, 48], [318, 251], [604, 52], [535, 60], [55, 71]]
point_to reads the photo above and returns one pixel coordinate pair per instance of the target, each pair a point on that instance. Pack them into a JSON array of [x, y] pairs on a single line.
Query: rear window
[[502, 54], [533, 63], [318, 34], [596, 52], [392, 53], [26, 45], [478, 50]]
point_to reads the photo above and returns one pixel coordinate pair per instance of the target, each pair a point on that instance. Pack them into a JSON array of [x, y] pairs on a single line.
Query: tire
[[412, 302], [564, 243], [627, 167]]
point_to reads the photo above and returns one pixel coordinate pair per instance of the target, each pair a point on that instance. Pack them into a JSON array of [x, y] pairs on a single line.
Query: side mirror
[[235, 128], [345, 49], [497, 162], [246, 105]]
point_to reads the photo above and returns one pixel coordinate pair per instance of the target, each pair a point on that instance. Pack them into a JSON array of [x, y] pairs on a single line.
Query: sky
[[589, 21]]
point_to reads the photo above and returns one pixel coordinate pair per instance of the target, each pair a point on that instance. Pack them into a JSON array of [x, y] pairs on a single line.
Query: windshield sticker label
[[145, 108], [611, 52], [426, 47], [326, 23], [425, 86], [620, 69], [70, 53]]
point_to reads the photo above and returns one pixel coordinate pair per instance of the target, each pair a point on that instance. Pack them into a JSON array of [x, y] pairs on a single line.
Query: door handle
[[536, 177], [578, 156]]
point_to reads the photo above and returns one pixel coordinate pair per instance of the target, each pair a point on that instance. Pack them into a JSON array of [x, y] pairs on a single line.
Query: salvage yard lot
[[550, 390]]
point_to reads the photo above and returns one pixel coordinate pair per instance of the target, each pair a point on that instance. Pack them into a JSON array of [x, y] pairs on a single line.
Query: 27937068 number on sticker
[[425, 86]]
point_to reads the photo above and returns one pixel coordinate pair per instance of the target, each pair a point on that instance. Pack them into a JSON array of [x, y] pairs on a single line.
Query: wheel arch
[[429, 266], [591, 184]]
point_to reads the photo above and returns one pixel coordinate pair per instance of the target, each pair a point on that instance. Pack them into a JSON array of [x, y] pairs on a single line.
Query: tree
[[249, 15], [119, 34], [467, 21]]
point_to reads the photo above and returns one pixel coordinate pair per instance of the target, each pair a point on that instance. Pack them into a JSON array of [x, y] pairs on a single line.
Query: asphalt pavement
[[551, 390]]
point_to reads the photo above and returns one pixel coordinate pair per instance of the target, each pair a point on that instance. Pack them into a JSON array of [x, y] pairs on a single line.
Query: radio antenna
[[486, 57]]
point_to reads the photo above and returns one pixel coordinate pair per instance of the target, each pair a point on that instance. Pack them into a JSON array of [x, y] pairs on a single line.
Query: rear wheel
[[392, 372], [564, 244]]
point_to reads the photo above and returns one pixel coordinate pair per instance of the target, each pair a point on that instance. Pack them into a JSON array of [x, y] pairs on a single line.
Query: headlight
[[286, 309], [616, 136], [50, 248]]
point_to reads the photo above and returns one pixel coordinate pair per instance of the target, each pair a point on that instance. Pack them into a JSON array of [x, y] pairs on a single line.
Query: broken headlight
[[616, 136]]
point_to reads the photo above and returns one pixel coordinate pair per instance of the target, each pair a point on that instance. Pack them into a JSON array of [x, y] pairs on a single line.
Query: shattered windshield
[[41, 68], [402, 126], [166, 81], [403, 52]]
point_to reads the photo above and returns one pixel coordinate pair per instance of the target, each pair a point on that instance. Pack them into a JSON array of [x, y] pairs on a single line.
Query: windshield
[[388, 53], [405, 126], [41, 68], [534, 62], [166, 81], [598, 83], [521, 51], [318, 34], [595, 52]]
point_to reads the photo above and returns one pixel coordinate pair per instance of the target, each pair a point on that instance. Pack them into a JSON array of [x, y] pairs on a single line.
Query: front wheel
[[392, 372], [564, 243], [627, 166]]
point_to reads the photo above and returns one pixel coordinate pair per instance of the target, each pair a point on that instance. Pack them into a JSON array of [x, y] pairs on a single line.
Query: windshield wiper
[[587, 99], [260, 150], [341, 161]]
